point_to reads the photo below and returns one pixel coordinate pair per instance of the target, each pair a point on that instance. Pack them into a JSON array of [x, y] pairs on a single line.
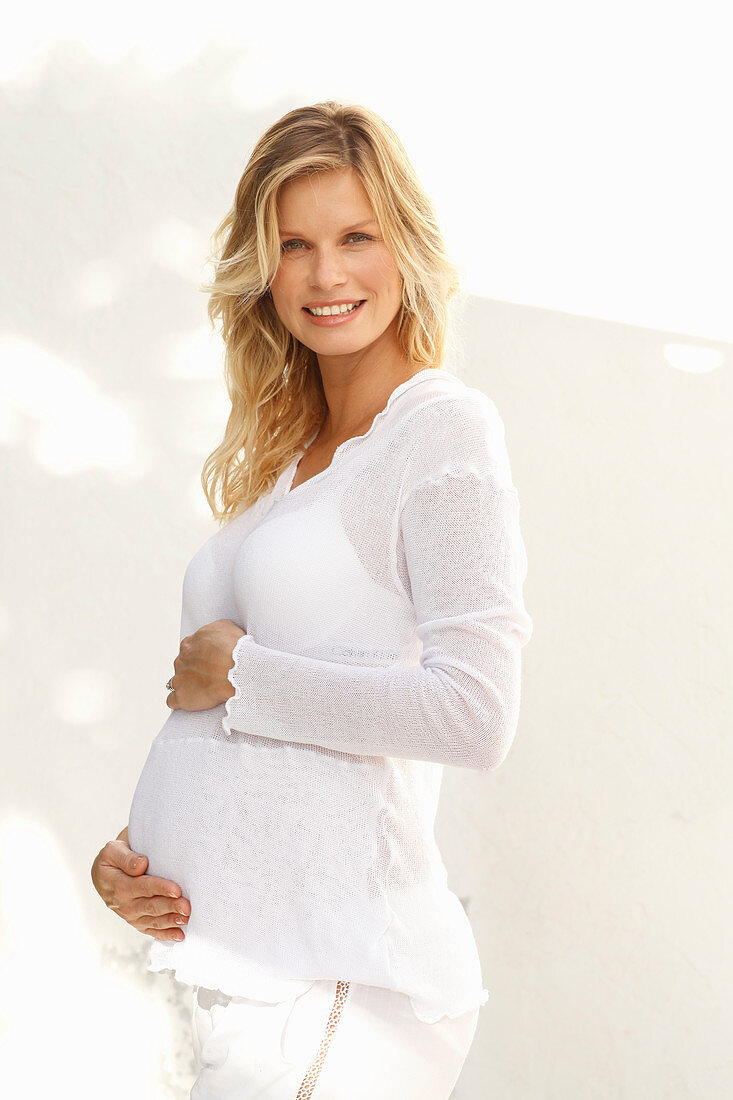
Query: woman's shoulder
[[448, 400], [453, 427]]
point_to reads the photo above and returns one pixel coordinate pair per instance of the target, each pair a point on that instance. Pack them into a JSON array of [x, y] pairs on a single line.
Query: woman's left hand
[[200, 679]]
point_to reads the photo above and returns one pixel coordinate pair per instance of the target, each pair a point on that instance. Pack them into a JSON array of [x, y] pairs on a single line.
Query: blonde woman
[[354, 625]]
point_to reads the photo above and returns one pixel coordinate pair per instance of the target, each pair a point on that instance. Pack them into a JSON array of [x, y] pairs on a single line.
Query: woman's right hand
[[149, 904]]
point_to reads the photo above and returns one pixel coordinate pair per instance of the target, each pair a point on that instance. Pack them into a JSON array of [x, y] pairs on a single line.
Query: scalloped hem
[[270, 991], [432, 1018], [277, 990]]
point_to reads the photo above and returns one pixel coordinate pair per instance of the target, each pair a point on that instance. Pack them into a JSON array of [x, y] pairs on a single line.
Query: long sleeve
[[466, 564]]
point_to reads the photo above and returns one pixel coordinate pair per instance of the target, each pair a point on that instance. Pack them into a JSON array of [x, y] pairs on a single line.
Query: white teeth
[[329, 311]]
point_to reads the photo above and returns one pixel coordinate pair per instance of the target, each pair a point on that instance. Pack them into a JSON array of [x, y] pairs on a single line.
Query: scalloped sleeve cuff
[[232, 705]]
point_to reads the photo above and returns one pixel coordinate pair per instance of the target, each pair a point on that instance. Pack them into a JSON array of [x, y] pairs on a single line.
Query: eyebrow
[[348, 229]]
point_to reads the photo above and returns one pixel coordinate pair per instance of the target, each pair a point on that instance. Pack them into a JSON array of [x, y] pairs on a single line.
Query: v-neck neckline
[[284, 486]]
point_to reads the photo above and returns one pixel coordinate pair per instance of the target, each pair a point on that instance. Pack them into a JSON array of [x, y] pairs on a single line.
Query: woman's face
[[331, 251]]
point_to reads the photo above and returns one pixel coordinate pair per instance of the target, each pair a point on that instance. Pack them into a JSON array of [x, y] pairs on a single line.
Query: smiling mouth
[[339, 313]]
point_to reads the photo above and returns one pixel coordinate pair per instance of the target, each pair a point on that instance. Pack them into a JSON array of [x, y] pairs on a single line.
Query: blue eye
[[284, 247]]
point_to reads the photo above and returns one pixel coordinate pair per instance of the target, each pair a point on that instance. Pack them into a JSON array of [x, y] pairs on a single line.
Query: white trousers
[[336, 1041]]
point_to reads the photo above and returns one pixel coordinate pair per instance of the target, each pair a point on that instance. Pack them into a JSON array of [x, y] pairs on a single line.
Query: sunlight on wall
[[62, 1018], [694, 360], [100, 282], [84, 696], [175, 246], [199, 353], [69, 425]]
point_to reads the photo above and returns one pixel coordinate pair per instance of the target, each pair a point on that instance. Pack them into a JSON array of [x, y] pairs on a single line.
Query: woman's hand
[[151, 905], [200, 680]]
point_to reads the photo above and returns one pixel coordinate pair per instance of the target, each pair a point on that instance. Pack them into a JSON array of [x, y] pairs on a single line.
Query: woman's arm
[[466, 564]]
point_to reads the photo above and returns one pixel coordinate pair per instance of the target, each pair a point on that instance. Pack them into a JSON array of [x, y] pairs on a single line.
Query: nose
[[327, 272]]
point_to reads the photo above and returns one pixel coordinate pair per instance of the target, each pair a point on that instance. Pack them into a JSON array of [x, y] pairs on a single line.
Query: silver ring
[[168, 685]]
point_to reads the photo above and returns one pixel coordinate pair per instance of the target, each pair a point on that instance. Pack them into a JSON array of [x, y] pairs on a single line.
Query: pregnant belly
[[170, 816], [262, 834]]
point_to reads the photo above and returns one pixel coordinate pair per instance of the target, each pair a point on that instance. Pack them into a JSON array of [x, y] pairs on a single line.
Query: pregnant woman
[[354, 625]]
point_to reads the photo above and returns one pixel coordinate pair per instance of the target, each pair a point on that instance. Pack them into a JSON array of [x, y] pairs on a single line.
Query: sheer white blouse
[[384, 617]]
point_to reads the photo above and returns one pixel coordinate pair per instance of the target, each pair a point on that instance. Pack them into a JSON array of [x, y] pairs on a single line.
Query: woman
[[354, 625]]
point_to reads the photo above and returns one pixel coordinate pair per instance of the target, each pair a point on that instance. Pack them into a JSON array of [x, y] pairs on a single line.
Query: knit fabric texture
[[384, 619]]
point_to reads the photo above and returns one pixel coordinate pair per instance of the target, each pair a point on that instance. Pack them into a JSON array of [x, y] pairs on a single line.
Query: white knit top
[[384, 617]]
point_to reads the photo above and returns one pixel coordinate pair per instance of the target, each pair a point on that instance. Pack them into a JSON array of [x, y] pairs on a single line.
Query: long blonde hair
[[273, 381]]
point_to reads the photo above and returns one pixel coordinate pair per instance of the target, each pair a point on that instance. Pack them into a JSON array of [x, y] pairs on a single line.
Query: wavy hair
[[273, 381]]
